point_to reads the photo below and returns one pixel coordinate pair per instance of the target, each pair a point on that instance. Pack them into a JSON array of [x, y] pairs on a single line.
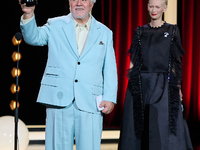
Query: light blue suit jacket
[[68, 75]]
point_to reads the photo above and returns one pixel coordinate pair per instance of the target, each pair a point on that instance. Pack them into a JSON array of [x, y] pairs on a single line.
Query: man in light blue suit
[[80, 72]]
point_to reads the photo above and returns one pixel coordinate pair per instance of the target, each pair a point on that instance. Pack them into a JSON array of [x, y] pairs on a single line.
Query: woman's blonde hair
[[165, 2]]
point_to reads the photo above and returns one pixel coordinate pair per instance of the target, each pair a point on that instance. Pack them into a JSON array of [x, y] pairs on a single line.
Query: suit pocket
[[51, 76], [102, 50], [52, 72], [97, 90], [49, 81]]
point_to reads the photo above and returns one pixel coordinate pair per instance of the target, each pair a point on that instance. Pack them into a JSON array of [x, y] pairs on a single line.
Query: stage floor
[[103, 147], [37, 136], [109, 139]]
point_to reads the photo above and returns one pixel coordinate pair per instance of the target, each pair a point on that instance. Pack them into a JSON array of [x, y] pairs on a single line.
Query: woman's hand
[[180, 94], [131, 65]]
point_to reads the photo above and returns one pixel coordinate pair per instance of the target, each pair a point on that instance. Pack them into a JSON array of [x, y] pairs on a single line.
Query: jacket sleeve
[[33, 35], [110, 72]]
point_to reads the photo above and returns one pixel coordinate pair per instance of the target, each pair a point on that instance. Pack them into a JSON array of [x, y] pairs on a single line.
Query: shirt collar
[[87, 25]]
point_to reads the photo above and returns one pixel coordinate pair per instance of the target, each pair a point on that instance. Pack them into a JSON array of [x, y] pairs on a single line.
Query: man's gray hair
[[91, 1]]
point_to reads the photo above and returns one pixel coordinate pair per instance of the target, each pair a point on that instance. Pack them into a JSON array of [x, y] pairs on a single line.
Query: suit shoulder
[[60, 19], [103, 27]]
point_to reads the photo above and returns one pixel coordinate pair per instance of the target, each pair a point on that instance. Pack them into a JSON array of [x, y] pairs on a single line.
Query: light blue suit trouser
[[65, 124]]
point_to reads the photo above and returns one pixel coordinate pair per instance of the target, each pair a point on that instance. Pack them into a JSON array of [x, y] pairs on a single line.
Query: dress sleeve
[[178, 50], [134, 84], [134, 48], [175, 78], [134, 53], [177, 54]]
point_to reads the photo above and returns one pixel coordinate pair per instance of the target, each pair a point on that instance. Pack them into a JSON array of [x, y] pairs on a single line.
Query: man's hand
[[28, 11], [108, 107]]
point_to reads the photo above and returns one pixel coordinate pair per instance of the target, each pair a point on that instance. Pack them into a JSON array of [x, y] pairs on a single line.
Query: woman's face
[[156, 8]]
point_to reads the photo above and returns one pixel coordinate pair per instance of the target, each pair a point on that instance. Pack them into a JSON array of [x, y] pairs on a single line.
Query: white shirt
[[82, 32]]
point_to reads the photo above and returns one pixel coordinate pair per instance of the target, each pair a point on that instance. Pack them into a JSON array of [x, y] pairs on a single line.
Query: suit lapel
[[69, 30], [92, 37]]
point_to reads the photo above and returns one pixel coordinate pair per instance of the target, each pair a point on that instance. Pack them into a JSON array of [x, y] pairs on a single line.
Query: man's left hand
[[108, 107]]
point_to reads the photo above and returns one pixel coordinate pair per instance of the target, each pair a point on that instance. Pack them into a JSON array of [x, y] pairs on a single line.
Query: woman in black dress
[[153, 113]]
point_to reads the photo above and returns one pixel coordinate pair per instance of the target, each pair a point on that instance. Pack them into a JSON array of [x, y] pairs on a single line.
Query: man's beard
[[79, 17]]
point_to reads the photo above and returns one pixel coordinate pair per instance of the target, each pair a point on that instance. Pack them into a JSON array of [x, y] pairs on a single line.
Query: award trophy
[[29, 3]]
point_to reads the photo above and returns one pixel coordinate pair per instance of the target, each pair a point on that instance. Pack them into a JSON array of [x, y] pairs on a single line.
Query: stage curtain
[[191, 59], [122, 17]]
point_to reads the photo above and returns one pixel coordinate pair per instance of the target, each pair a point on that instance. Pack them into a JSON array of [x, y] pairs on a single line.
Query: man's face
[[80, 9]]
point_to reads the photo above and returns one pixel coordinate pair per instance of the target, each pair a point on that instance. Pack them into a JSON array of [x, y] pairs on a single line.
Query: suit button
[[76, 80], [79, 63]]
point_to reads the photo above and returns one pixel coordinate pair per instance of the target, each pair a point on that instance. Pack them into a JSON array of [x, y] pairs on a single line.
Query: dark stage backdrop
[[191, 61], [122, 17], [191, 66]]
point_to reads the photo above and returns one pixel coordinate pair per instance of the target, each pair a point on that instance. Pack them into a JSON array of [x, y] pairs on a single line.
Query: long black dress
[[153, 117]]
